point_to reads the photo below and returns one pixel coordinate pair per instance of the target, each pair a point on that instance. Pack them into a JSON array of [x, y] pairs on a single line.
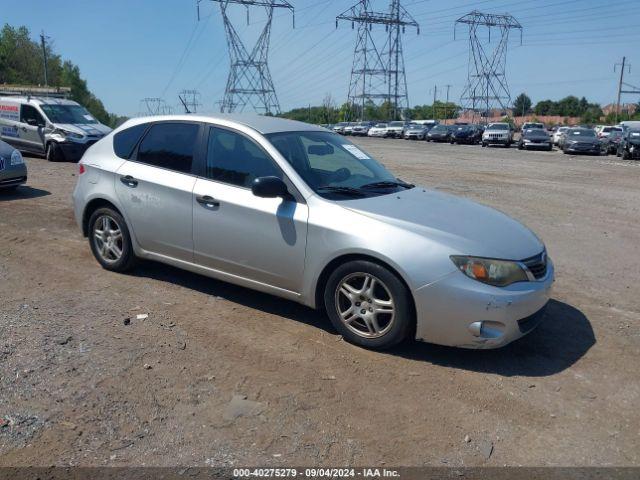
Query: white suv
[[498, 134]]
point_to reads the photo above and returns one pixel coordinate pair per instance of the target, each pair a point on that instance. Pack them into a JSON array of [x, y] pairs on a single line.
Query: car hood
[[97, 129], [466, 227]]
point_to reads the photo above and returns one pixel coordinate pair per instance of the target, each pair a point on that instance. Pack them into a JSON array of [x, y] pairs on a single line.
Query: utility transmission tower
[[249, 83], [487, 82], [190, 100], [150, 106], [378, 73], [621, 83]]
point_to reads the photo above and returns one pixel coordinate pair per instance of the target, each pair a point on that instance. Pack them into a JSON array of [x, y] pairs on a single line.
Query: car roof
[[260, 123]]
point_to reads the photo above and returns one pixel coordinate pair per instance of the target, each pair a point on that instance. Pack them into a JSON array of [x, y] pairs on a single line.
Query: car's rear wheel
[[369, 305], [110, 240]]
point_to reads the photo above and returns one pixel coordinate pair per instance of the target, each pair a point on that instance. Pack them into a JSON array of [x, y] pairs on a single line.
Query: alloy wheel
[[107, 237], [365, 305]]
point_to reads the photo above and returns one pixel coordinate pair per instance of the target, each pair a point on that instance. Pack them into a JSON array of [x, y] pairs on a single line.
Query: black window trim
[[25, 105], [196, 151], [201, 168], [134, 149]]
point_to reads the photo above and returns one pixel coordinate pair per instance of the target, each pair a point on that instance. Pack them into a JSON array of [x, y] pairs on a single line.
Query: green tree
[[21, 64], [522, 105]]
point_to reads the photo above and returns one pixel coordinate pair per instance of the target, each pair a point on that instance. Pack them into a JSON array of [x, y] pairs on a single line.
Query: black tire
[[484, 144], [625, 155], [53, 152], [10, 189], [520, 147], [127, 260], [400, 326]]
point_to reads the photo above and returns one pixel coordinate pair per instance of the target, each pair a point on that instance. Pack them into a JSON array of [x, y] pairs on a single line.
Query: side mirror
[[269, 187], [32, 121]]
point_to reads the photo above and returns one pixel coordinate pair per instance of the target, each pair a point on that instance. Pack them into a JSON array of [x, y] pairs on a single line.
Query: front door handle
[[207, 201], [129, 181]]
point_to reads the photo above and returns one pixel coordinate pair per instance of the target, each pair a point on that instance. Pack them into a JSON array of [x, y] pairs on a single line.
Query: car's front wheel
[[53, 152], [369, 305], [110, 240]]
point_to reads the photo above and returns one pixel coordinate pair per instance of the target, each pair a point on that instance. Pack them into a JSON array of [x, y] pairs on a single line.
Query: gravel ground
[[220, 375]]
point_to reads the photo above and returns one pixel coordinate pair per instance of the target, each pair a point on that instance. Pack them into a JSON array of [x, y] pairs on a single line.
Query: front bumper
[[496, 141], [13, 175], [73, 151], [595, 149], [449, 311], [465, 140], [537, 145]]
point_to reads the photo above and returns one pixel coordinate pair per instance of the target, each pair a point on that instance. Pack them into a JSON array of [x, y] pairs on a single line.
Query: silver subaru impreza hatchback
[[297, 211]]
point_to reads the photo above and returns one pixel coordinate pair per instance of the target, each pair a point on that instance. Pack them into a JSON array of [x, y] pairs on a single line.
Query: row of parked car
[[622, 140]]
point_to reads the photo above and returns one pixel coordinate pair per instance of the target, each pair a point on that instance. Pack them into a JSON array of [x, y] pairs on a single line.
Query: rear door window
[[170, 145]]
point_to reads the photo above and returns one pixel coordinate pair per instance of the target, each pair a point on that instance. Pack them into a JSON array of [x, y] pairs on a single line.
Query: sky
[[131, 49]]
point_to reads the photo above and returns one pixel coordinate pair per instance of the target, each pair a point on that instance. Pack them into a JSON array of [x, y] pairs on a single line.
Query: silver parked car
[[296, 211], [13, 171]]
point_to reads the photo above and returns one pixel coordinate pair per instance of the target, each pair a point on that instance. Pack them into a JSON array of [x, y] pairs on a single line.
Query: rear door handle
[[207, 201], [129, 181]]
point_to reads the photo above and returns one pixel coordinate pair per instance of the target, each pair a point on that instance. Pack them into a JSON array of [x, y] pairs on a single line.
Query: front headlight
[[16, 158], [498, 273], [68, 134]]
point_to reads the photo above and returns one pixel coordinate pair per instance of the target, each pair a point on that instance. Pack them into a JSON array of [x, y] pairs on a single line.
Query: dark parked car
[[612, 140], [439, 133], [13, 171], [535, 138], [582, 140], [469, 134], [629, 146]]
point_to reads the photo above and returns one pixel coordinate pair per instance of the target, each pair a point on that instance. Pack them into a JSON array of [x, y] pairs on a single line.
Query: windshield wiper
[[387, 184], [344, 190]]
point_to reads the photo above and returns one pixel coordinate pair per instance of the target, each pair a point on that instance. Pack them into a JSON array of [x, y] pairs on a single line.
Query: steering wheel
[[340, 175]]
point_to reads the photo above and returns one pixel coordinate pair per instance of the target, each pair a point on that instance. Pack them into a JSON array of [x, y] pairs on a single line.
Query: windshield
[[582, 133], [74, 114], [498, 126], [332, 166], [634, 133], [396, 124], [381, 125], [440, 128], [415, 126]]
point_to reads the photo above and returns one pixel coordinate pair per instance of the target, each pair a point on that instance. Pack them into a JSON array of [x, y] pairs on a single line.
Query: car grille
[[537, 265], [584, 146], [495, 136]]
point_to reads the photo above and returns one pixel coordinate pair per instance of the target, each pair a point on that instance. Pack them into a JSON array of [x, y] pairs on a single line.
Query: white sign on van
[[10, 112]]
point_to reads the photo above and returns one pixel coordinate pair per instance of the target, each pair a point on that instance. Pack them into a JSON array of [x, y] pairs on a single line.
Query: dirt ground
[[221, 375]]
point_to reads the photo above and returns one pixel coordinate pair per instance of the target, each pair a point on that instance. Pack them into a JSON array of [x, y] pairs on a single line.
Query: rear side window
[[125, 141], [169, 145]]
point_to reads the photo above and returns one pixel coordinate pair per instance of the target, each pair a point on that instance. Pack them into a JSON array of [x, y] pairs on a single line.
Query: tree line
[[21, 63]]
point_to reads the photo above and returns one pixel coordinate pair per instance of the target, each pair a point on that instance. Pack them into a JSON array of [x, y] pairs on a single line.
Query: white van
[[58, 128]]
